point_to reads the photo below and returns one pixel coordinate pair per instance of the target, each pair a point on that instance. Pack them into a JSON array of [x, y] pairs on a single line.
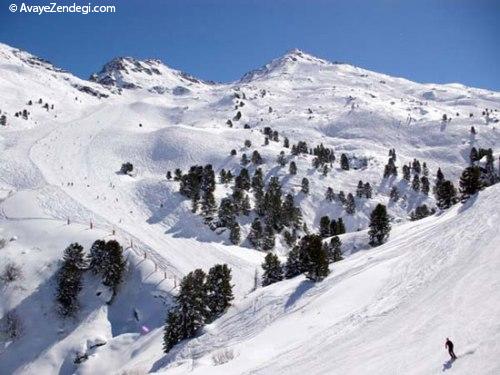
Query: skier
[[449, 345]]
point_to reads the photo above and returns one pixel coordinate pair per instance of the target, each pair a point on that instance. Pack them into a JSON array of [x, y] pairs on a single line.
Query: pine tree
[[243, 180], [325, 170], [208, 179], [333, 228], [286, 143], [360, 190], [273, 204], [194, 201], [368, 190], [425, 170], [226, 213], [114, 265], [329, 195], [379, 225], [416, 166], [336, 249], [219, 290], [245, 205], [273, 271], [229, 176], [281, 159], [473, 156], [256, 234], [244, 159], [415, 184], [257, 179], [293, 267], [290, 238], [292, 168], [406, 172], [341, 197], [222, 176], [344, 162], [256, 158], [69, 283], [445, 194], [191, 311], [268, 240], [313, 258], [173, 332], [350, 206], [340, 226], [234, 234], [291, 215], [305, 186], [208, 205], [260, 202], [420, 212], [324, 226], [96, 257], [425, 185], [470, 182], [394, 194], [237, 198], [390, 168], [439, 181]]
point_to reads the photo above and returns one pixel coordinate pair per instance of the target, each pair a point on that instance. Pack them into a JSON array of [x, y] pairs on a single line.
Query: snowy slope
[[383, 311], [60, 163]]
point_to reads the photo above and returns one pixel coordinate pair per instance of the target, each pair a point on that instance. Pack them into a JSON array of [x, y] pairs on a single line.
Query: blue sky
[[424, 40]]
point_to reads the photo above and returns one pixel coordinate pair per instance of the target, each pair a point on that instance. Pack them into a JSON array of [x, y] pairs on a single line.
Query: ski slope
[[381, 311]]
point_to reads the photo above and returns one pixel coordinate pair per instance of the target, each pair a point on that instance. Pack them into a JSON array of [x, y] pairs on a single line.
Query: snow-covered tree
[[344, 162], [335, 254], [69, 279], [191, 311], [350, 205], [273, 271], [313, 258], [268, 240], [113, 265], [470, 182], [379, 225], [293, 266], [329, 195], [256, 234], [219, 290], [305, 186], [446, 194], [234, 233], [415, 184]]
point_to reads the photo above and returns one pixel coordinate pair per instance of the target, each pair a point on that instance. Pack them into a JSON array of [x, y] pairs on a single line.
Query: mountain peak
[[284, 65], [132, 73]]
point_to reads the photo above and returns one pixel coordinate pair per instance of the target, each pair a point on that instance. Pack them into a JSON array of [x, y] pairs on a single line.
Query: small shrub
[[222, 356], [11, 272], [126, 168]]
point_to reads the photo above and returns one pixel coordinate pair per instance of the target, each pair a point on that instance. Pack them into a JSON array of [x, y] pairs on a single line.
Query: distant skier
[[449, 345]]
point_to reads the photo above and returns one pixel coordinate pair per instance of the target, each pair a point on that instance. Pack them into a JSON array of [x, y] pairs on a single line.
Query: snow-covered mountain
[[385, 310]]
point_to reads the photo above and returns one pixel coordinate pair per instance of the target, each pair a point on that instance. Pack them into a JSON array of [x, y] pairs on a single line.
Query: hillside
[[388, 308]]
